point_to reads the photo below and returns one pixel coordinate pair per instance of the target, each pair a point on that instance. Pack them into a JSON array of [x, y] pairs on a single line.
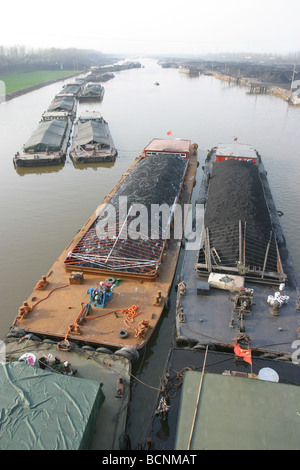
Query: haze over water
[[42, 209]]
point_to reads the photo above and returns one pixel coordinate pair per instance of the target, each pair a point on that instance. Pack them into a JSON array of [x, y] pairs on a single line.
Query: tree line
[[14, 58]]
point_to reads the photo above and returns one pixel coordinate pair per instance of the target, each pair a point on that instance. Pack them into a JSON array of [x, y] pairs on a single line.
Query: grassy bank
[[18, 81]]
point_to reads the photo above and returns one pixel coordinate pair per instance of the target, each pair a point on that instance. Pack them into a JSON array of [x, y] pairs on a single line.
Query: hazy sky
[[155, 26]]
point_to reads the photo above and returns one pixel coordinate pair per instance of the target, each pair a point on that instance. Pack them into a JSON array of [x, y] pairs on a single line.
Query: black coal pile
[[155, 180], [110, 243], [236, 194]]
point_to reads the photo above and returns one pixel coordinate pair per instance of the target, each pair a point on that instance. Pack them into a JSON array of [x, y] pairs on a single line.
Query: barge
[[237, 284], [77, 400], [92, 140], [108, 290], [214, 400], [70, 89], [64, 104], [49, 143], [91, 92]]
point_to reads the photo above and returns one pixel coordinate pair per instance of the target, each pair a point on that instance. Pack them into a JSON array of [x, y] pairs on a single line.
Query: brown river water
[[42, 209]]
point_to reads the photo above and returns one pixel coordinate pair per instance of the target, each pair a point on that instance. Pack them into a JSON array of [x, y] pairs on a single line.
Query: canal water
[[42, 209]]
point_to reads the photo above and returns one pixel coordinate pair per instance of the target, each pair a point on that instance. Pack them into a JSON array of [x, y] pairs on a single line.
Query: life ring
[[110, 280], [123, 334], [19, 162], [107, 158], [55, 161], [80, 160]]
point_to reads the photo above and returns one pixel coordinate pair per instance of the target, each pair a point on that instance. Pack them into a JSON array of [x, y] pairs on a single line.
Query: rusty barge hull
[[58, 310]]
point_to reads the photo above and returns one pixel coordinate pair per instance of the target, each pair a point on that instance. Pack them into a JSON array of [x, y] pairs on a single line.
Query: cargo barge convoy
[[92, 140], [233, 380], [106, 289]]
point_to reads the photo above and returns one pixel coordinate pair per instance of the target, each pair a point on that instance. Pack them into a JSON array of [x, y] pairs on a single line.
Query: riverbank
[[37, 86], [247, 82]]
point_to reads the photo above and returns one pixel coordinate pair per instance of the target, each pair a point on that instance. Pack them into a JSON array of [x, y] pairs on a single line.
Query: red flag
[[169, 133], [244, 353]]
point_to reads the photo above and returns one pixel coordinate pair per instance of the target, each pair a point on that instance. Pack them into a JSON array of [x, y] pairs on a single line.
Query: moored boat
[[48, 145], [75, 400], [70, 89], [63, 103], [237, 284], [109, 290], [91, 92], [92, 140], [215, 400]]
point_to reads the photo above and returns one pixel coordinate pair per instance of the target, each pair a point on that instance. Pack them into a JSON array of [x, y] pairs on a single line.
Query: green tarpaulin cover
[[64, 104], [92, 131], [43, 410], [237, 413], [92, 90], [48, 135]]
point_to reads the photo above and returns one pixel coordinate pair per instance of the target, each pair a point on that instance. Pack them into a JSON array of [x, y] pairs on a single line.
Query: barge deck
[[65, 308]]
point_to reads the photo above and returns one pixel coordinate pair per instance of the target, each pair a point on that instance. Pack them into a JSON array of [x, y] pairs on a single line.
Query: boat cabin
[[178, 147], [236, 151]]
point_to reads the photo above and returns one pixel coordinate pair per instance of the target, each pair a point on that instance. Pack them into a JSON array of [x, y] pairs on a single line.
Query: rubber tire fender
[[123, 334]]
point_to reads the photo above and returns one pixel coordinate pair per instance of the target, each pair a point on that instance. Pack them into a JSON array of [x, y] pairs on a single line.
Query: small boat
[[92, 140], [91, 92], [215, 400], [62, 400], [49, 143], [237, 282]]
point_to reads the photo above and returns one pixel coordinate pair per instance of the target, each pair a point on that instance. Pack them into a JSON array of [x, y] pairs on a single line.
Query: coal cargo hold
[[236, 210], [155, 180]]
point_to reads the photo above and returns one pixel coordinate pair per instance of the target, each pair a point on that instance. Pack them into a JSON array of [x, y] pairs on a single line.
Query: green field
[[18, 81]]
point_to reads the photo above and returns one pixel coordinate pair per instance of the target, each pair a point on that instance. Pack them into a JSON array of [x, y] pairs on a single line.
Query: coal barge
[[108, 290], [238, 284]]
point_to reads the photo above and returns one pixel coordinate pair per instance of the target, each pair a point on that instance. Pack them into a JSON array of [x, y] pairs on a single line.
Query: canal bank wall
[[246, 82]]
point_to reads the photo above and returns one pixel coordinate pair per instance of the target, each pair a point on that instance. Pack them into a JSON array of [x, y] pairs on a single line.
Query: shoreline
[[14, 94], [246, 82]]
